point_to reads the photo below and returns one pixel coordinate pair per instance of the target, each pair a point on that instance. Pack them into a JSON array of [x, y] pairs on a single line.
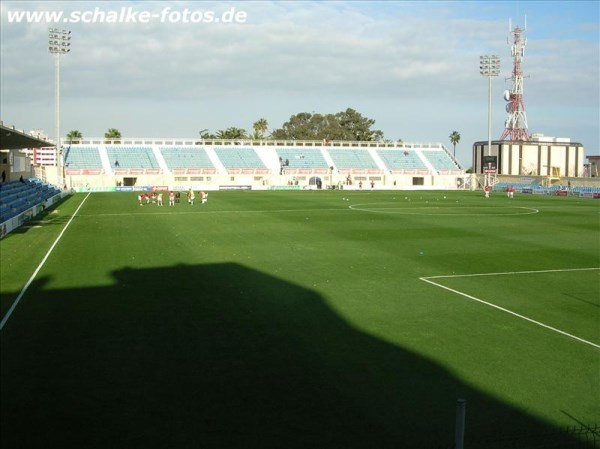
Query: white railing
[[186, 141]]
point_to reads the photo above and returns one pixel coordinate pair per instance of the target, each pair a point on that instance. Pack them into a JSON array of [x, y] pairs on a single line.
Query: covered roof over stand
[[12, 138]]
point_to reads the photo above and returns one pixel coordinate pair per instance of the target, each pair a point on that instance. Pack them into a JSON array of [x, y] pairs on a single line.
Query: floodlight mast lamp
[[489, 66], [58, 44]]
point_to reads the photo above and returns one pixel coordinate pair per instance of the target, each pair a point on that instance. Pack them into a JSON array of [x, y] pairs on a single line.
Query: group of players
[[510, 191], [174, 197], [191, 196]]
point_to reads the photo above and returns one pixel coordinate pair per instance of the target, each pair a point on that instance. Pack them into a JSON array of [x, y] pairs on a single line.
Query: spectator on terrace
[[117, 163], [3, 175]]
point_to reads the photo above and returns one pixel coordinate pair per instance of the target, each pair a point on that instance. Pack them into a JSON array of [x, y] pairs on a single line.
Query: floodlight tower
[[489, 66], [516, 123], [58, 44]]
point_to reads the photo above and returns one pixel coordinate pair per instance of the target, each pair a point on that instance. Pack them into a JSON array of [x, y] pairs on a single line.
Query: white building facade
[[541, 156]]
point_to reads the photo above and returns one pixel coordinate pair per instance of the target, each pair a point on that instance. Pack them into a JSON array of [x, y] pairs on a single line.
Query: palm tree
[[206, 134], [74, 135], [260, 127], [113, 134], [454, 139], [232, 133]]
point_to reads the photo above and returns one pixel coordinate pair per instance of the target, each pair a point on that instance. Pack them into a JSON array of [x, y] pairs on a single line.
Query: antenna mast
[[516, 123]]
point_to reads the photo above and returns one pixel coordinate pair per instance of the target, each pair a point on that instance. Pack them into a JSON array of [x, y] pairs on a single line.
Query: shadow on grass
[[47, 217], [221, 356]]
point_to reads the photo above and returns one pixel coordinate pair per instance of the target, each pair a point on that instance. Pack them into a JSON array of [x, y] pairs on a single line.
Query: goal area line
[[429, 280]]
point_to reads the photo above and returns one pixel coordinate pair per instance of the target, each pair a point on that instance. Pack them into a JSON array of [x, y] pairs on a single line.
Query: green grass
[[299, 319]]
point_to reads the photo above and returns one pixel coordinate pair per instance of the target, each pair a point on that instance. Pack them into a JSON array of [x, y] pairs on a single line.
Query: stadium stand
[[77, 157], [134, 162], [304, 158], [538, 188], [131, 157], [16, 197], [501, 186], [234, 157], [352, 158], [186, 157], [440, 160], [586, 189], [399, 159]]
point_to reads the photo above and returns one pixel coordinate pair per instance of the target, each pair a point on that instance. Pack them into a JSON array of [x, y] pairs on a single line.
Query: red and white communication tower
[[516, 123]]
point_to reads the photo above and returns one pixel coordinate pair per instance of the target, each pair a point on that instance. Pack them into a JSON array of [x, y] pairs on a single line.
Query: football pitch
[[304, 319]]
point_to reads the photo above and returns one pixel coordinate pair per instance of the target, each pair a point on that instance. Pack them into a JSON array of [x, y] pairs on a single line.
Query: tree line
[[348, 125]]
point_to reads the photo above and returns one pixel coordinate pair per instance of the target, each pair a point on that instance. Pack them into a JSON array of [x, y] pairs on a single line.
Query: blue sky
[[413, 67]]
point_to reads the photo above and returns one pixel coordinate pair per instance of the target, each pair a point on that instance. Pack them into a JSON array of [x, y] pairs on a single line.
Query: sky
[[166, 69]]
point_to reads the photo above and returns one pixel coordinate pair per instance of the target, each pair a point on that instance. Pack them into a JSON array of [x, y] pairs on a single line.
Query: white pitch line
[[512, 313], [22, 292], [507, 272]]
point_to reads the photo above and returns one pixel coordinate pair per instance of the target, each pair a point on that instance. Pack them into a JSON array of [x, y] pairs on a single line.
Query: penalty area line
[[37, 270], [538, 323]]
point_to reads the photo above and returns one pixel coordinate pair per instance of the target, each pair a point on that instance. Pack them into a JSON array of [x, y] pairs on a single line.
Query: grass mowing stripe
[[424, 210], [219, 327], [197, 212], [24, 289], [510, 311]]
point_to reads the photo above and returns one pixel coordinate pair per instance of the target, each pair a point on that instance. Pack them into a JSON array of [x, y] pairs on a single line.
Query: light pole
[[58, 44], [489, 66]]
